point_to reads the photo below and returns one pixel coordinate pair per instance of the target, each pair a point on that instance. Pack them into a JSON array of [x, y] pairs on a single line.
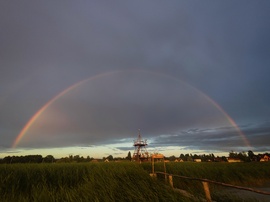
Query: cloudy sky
[[81, 77]]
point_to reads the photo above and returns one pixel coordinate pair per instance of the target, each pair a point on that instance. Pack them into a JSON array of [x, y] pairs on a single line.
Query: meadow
[[81, 182], [122, 181]]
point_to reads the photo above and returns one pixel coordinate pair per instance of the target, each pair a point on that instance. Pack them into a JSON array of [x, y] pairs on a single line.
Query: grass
[[81, 182], [253, 174], [122, 181]]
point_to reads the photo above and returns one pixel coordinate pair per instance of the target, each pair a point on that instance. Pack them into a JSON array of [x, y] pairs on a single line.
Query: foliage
[[243, 156], [129, 156], [49, 159], [23, 159]]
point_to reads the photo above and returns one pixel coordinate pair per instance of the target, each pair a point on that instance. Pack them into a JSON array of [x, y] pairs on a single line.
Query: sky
[[82, 77]]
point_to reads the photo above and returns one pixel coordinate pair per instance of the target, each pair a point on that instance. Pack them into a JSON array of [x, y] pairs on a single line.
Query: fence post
[[207, 191], [153, 175], [153, 165], [171, 180], [165, 170]]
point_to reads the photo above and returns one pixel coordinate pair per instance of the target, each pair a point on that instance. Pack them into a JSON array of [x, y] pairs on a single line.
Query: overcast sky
[[193, 76]]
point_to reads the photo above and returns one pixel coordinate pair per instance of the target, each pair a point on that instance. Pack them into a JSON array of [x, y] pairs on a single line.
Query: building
[[265, 158], [233, 160]]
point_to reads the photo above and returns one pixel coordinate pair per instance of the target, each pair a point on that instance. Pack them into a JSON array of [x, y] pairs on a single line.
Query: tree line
[[28, 159], [243, 156], [51, 159]]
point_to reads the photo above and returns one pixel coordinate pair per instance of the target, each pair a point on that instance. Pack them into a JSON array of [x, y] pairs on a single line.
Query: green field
[[121, 181]]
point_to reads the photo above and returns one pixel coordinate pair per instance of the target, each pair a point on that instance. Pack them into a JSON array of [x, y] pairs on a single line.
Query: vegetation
[[248, 174], [81, 182], [74, 178], [242, 156], [252, 174]]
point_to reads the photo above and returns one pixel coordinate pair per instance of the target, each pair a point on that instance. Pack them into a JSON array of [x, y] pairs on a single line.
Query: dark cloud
[[220, 48], [126, 148], [219, 139]]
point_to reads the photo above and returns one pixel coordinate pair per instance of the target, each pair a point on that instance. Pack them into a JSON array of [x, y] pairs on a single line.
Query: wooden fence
[[205, 183]]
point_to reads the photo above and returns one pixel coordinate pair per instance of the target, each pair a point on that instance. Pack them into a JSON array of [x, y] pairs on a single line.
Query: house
[[265, 158], [233, 160], [197, 160], [94, 161], [178, 160]]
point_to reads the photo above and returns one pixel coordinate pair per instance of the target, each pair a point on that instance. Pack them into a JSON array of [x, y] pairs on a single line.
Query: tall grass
[[125, 181], [81, 182], [253, 174]]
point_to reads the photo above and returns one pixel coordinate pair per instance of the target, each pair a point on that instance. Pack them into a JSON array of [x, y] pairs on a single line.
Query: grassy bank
[[247, 174], [253, 174], [81, 182], [124, 181]]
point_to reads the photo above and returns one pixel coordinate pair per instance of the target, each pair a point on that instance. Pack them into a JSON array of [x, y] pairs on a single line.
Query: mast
[[140, 152]]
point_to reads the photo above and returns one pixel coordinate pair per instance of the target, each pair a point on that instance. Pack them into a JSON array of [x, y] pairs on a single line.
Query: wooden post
[[165, 170], [207, 191], [171, 180], [153, 165], [153, 175]]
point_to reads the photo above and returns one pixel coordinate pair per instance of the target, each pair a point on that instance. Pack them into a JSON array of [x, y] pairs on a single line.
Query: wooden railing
[[205, 183]]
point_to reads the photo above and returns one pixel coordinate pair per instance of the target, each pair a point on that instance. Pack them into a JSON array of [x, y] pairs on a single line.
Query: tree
[[129, 156], [78, 159], [49, 159], [8, 159], [243, 156], [172, 158], [233, 154], [182, 156], [196, 156], [188, 157], [31, 159], [110, 158], [251, 155]]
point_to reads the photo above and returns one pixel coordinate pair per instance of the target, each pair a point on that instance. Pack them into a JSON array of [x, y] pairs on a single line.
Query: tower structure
[[140, 152]]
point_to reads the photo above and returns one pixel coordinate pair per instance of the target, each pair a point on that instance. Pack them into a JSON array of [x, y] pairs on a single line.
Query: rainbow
[[232, 122], [74, 86], [230, 119], [50, 102]]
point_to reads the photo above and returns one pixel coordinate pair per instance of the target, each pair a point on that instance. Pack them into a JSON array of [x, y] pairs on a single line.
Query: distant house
[[197, 160], [233, 160], [178, 160], [94, 161], [265, 158]]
